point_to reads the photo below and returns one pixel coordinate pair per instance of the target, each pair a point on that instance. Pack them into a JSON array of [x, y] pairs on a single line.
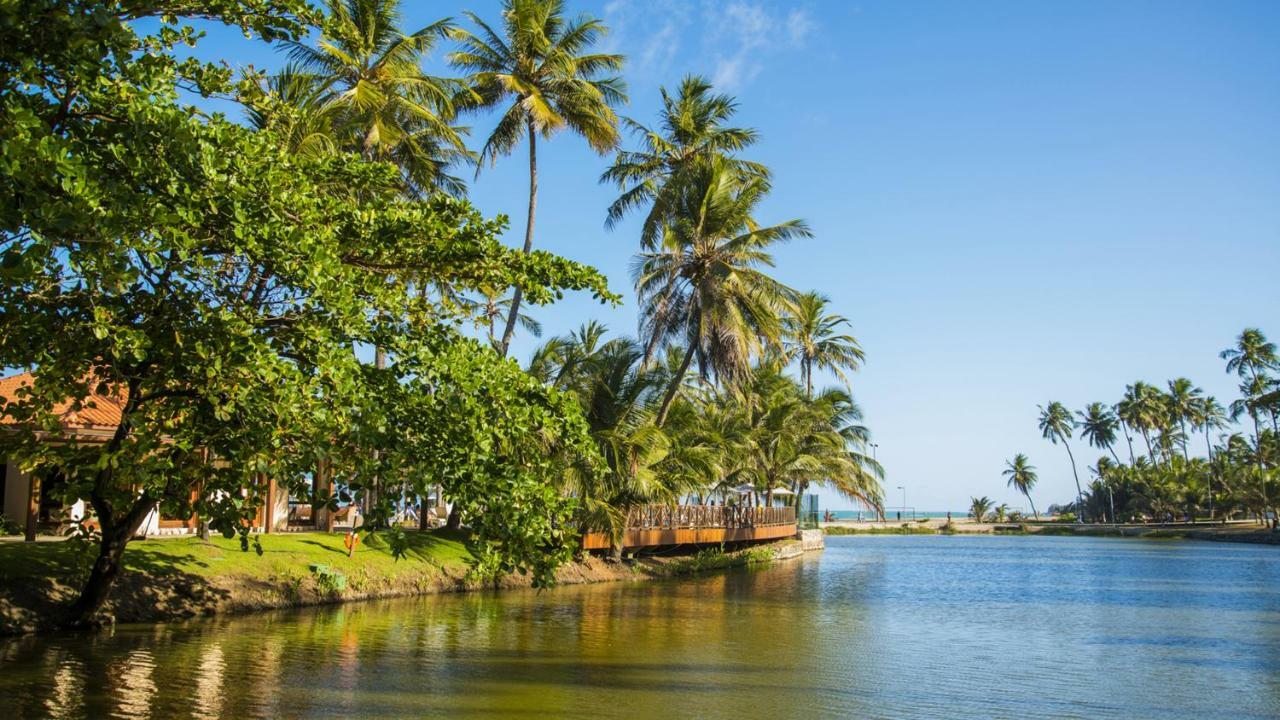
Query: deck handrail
[[646, 517]]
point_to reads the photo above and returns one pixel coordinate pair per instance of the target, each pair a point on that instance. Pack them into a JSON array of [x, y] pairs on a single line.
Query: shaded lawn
[[220, 557]]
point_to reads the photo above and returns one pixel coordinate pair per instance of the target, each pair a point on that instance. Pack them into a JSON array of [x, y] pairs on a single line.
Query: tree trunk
[[670, 395], [1257, 437], [1129, 440], [1034, 514], [106, 568], [33, 506], [512, 316], [455, 518], [1076, 475], [1208, 447]]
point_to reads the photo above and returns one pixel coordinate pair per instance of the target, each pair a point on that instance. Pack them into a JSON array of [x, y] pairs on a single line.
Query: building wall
[[17, 487]]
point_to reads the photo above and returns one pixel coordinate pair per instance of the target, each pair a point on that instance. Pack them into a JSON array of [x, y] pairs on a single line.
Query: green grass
[[218, 557]]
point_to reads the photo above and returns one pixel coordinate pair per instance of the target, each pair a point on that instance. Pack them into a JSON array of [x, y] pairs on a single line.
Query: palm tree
[[1184, 402], [1056, 425], [793, 439], [979, 507], [812, 336], [1098, 425], [615, 393], [1022, 476], [692, 130], [369, 74], [1252, 356], [1252, 389], [490, 308], [300, 110], [704, 289], [540, 67], [1144, 409]]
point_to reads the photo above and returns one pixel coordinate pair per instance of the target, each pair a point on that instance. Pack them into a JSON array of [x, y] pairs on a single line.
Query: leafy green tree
[[691, 130], [1056, 425], [1022, 476], [705, 289], [812, 337], [539, 65], [214, 283]]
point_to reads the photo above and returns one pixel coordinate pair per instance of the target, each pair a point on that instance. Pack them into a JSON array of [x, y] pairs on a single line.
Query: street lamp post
[[904, 499]]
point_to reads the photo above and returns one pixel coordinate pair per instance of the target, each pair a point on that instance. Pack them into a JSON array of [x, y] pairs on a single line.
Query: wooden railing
[[670, 525], [672, 517]]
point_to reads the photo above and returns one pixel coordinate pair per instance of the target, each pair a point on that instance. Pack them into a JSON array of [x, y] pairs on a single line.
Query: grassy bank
[[175, 578]]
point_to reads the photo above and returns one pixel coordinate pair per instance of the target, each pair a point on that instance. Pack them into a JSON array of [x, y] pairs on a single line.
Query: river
[[877, 626]]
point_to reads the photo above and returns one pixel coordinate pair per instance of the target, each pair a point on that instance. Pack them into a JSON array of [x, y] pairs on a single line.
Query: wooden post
[[33, 505]]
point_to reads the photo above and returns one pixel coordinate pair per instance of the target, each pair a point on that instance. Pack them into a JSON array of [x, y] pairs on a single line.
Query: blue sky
[[1013, 202]]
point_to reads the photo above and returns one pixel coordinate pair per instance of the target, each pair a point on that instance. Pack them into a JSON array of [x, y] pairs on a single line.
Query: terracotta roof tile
[[96, 412]]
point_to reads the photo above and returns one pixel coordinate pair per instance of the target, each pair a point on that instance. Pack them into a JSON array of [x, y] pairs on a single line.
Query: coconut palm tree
[[298, 108], [812, 336], [691, 130], [793, 439], [1144, 409], [1252, 389], [616, 395], [369, 75], [1098, 425], [490, 308], [706, 289], [540, 67], [1056, 425], [1184, 404], [979, 507], [1022, 476]]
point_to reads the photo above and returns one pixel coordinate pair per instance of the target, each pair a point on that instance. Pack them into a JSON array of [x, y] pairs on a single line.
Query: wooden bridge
[[658, 525]]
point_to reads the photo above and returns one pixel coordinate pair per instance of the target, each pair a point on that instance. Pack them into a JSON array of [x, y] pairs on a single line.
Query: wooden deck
[[659, 525]]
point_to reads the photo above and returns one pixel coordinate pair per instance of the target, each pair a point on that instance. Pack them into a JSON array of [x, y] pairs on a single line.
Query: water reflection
[[876, 627]]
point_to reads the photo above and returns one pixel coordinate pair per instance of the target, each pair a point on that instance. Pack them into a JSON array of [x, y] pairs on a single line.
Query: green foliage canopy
[[217, 285]]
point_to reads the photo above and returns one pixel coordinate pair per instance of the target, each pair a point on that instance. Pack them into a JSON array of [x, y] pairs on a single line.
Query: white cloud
[[799, 25], [731, 39], [751, 32]]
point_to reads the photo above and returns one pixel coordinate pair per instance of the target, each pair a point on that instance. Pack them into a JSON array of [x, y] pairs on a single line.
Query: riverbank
[[175, 578], [1239, 531]]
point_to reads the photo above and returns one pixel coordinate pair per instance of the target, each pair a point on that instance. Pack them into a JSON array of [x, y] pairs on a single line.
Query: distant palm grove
[[1173, 452], [213, 276]]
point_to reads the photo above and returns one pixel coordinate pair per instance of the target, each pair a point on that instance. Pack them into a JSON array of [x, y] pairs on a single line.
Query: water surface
[[877, 626]]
